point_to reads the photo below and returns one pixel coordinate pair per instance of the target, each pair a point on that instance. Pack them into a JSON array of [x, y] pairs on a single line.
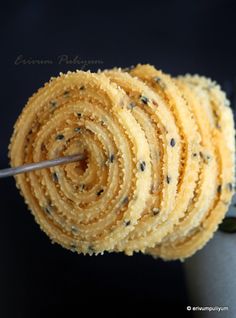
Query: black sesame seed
[[194, 154], [142, 165], [66, 93], [55, 177], [74, 229], [172, 142], [53, 103], [219, 188], [125, 200], [127, 223], [79, 114], [59, 137], [230, 186], [131, 105], [77, 129], [155, 211], [47, 209], [157, 79], [100, 192], [144, 99], [168, 179], [112, 157], [82, 87]]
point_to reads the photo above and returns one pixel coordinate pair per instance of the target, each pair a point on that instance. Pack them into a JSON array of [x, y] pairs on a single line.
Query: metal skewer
[[40, 165]]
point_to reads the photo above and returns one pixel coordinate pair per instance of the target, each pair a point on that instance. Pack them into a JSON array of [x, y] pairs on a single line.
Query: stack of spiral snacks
[[158, 172]]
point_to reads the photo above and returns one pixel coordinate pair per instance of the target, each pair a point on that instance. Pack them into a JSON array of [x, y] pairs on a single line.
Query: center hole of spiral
[[82, 165]]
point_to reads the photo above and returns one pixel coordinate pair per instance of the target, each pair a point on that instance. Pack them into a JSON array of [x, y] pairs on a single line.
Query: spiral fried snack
[[86, 206], [158, 168], [190, 148], [159, 126], [216, 121]]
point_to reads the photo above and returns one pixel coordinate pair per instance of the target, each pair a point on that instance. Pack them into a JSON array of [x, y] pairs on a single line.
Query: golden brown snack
[[206, 187], [158, 173], [86, 206], [215, 109], [158, 124], [190, 148]]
